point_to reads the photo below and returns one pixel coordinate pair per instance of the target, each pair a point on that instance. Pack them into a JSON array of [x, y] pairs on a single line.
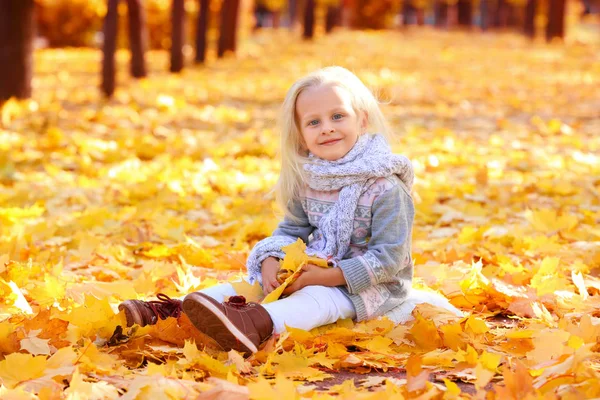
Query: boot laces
[[165, 306], [236, 301]]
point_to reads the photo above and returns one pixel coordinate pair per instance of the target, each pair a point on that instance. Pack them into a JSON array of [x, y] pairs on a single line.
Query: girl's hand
[[268, 269], [314, 275]]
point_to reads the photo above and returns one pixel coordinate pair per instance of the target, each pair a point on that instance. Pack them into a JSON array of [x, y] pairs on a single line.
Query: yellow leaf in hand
[[295, 258]]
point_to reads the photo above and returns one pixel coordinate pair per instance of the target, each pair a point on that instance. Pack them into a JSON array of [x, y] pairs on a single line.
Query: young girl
[[344, 194]]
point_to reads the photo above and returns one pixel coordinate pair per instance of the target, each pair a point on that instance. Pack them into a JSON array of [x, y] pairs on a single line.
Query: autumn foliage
[[166, 187]]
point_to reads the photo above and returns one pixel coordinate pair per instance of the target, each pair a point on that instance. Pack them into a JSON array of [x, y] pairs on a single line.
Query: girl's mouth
[[330, 142]]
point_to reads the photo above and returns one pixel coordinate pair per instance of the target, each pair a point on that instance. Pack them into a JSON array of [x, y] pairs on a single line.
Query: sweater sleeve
[[389, 248], [295, 229], [287, 232]]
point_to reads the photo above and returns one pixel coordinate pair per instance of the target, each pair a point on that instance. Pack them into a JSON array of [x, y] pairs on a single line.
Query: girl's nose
[[328, 129]]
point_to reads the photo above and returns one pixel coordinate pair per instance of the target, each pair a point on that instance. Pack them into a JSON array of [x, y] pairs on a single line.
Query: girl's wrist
[[335, 277]]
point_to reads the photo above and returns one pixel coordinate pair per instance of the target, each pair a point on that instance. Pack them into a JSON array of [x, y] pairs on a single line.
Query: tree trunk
[[420, 16], [501, 17], [452, 15], [465, 14], [331, 18], [233, 25], [177, 34], [440, 13], [201, 31], [529, 25], [227, 35], [484, 12], [276, 19], [555, 27], [109, 47], [17, 30], [309, 20], [137, 37], [407, 12]]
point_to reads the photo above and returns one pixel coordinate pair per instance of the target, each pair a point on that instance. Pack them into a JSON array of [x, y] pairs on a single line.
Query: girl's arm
[[388, 254], [301, 228], [287, 232]]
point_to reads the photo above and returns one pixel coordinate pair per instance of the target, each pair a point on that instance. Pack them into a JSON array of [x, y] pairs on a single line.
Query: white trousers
[[307, 308]]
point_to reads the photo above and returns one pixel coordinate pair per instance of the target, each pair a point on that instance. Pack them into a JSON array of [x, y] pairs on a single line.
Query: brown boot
[[234, 324], [148, 312]]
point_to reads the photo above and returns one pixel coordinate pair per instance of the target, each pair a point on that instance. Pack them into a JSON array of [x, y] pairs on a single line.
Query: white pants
[[308, 308]]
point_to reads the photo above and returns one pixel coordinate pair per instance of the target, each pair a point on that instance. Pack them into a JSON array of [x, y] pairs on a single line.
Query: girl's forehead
[[321, 95]]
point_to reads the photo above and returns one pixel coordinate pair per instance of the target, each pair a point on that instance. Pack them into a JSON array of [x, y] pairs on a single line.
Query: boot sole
[[208, 319]]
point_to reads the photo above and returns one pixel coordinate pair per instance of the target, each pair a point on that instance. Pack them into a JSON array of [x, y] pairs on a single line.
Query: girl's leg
[[219, 292], [309, 308]]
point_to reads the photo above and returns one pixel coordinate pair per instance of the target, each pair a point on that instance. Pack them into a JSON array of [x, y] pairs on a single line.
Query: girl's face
[[329, 125]]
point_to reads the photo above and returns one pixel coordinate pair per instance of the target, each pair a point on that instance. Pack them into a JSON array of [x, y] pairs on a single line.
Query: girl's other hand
[[269, 269], [315, 275]]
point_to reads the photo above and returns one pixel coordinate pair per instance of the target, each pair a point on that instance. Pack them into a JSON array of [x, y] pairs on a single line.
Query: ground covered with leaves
[[166, 188]]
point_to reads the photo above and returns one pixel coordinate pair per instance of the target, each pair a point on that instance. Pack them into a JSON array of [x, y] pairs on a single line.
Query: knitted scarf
[[369, 159]]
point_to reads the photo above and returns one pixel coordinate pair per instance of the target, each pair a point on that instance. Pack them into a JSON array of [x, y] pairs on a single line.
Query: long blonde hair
[[291, 150]]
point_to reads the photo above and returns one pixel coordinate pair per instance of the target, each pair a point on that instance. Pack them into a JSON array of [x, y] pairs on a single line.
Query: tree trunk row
[[17, 30]]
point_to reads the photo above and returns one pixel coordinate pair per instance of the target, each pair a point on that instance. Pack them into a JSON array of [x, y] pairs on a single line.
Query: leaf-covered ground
[[166, 187]]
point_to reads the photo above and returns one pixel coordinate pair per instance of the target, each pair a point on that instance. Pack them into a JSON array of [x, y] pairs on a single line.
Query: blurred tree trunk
[[465, 13], [440, 13], [555, 28], [501, 15], [370, 14], [309, 19], [276, 19], [333, 17], [137, 37], [202, 31], [452, 15], [420, 16], [233, 25], [529, 25], [484, 12], [177, 34], [227, 35], [109, 47], [407, 11], [17, 30]]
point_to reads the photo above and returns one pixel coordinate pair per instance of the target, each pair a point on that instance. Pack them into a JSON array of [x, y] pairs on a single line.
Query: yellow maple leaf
[[199, 359], [551, 221], [94, 317], [94, 359], [78, 388], [378, 344], [425, 334], [34, 345], [295, 258], [453, 336], [250, 292], [19, 367], [475, 325]]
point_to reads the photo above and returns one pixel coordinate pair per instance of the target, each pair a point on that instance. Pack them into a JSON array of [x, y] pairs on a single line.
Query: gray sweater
[[378, 265]]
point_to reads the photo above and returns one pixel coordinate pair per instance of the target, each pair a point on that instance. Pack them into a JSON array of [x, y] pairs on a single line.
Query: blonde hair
[[291, 151]]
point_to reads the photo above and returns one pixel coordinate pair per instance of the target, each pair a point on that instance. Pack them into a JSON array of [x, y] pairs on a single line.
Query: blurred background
[[201, 30]]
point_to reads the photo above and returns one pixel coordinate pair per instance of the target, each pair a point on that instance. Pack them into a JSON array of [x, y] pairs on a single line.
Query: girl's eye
[[313, 122], [337, 116]]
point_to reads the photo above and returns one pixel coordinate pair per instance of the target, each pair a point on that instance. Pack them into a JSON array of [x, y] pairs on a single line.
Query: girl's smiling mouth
[[330, 142]]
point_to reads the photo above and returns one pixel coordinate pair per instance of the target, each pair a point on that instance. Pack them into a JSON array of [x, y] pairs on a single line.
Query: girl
[[344, 194]]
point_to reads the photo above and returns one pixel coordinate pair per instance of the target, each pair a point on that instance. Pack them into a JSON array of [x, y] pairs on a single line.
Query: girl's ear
[[364, 121]]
